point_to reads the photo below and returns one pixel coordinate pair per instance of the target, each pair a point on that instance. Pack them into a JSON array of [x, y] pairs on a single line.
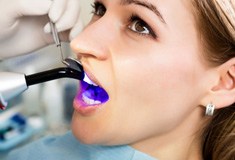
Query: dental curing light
[[13, 84]]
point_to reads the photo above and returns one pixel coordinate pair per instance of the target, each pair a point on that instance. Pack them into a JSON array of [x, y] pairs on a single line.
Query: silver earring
[[210, 108]]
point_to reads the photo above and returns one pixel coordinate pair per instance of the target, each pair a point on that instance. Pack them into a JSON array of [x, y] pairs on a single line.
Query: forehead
[[162, 8]]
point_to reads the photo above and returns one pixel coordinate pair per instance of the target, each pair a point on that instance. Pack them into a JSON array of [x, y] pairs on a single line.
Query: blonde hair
[[216, 24], [226, 9]]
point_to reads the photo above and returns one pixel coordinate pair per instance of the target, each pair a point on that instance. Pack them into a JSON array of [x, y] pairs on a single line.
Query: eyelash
[[95, 7], [133, 18]]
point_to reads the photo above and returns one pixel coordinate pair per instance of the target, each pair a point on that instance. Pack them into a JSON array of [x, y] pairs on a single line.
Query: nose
[[94, 41]]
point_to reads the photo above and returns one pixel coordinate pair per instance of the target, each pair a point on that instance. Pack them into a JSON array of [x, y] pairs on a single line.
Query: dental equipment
[[13, 84], [69, 62]]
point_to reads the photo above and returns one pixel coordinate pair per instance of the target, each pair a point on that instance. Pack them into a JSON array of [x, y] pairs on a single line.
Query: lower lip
[[82, 108]]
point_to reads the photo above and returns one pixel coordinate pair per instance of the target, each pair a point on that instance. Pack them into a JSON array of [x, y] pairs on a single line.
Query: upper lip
[[90, 75]]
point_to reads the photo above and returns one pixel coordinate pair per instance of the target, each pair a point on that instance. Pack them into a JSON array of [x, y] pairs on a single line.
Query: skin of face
[[155, 84]]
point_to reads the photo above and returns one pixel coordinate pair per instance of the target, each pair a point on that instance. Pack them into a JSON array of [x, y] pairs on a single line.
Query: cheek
[[157, 87], [152, 76]]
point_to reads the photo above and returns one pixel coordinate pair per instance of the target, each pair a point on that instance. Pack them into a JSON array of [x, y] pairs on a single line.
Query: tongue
[[94, 92]]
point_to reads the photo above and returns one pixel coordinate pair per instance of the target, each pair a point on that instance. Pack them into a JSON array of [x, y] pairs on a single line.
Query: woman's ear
[[222, 93]]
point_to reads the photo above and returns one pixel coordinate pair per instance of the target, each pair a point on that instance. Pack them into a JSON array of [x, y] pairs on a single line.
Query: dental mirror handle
[[13, 84]]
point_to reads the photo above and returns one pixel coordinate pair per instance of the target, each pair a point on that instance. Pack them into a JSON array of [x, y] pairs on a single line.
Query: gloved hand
[[24, 24]]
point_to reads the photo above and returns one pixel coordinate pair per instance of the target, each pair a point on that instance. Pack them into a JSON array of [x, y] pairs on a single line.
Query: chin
[[89, 130], [83, 138]]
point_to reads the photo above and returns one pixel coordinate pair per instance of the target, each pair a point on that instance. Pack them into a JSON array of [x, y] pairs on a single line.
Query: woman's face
[[146, 55]]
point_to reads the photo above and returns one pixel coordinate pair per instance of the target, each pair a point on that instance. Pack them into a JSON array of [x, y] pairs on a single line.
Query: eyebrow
[[145, 4]]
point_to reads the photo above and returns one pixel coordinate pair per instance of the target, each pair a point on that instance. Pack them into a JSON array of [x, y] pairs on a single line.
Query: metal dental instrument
[[69, 62], [57, 41]]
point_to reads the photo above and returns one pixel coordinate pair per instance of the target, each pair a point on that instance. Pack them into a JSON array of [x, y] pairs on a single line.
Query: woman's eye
[[139, 26], [98, 9]]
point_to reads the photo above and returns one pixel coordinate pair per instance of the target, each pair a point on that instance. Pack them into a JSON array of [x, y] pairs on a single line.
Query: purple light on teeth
[[95, 93]]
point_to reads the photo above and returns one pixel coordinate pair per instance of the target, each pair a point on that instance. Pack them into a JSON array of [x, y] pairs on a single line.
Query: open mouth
[[91, 94]]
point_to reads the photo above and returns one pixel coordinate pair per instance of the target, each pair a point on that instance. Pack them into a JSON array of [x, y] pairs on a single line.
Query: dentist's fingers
[[29, 7], [57, 9], [70, 16], [47, 28], [12, 10], [76, 29], [68, 19]]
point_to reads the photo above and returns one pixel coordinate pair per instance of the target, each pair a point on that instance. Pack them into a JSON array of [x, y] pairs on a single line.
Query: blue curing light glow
[[94, 92]]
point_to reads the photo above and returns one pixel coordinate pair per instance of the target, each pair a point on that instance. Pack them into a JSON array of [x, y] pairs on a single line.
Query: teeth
[[87, 80], [90, 101]]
